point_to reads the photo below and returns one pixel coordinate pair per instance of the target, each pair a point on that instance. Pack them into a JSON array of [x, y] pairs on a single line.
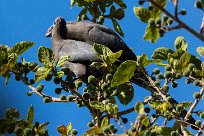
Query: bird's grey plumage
[[81, 54]]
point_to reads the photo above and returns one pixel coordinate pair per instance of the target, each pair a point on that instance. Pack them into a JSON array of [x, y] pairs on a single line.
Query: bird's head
[[59, 21]]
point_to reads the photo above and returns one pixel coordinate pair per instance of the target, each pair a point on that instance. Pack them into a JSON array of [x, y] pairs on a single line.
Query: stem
[[176, 8], [194, 104], [132, 109], [182, 24]]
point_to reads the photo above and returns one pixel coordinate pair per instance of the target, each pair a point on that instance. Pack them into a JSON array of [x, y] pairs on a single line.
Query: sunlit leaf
[[62, 60], [200, 51], [139, 107], [142, 60], [156, 12], [72, 2], [162, 53], [180, 43], [30, 114], [151, 33], [185, 105], [103, 124], [93, 131], [124, 73], [184, 60], [69, 128], [41, 73], [46, 56], [42, 126], [12, 59], [21, 47], [142, 13], [146, 121], [106, 54], [62, 129]]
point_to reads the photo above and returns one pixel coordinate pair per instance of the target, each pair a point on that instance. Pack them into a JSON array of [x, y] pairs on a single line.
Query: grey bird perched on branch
[[76, 40]]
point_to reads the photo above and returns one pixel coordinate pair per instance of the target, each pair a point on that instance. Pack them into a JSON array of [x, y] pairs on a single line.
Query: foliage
[[103, 96], [12, 124]]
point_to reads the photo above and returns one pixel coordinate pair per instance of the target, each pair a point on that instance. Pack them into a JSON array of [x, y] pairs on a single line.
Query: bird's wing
[[77, 51]]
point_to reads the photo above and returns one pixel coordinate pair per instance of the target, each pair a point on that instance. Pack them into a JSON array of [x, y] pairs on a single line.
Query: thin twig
[[183, 129], [120, 124], [194, 104], [132, 109], [176, 8], [167, 29], [202, 26], [182, 121]]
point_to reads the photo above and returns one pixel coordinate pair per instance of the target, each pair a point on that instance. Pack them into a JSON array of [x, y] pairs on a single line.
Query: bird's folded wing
[[77, 51]]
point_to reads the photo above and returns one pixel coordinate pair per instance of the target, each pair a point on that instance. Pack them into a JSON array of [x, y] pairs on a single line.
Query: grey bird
[[76, 40]]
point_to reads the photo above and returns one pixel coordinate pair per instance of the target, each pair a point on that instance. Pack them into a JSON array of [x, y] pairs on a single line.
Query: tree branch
[[194, 104], [182, 24]]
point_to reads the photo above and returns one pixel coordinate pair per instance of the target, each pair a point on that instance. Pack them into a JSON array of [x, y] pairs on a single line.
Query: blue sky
[[29, 20]]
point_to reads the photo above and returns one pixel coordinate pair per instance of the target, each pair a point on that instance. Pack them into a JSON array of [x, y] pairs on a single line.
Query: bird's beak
[[49, 32]]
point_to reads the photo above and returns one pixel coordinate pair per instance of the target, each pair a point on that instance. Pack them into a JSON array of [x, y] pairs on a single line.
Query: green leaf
[[33, 66], [21, 47], [185, 105], [97, 105], [93, 131], [30, 114], [155, 61], [146, 121], [160, 106], [142, 13], [4, 69], [103, 124], [151, 33], [97, 65], [62, 60], [42, 126], [162, 53], [126, 93], [62, 129], [180, 43], [112, 11], [106, 54], [117, 27], [195, 60], [112, 109], [41, 73], [156, 12], [184, 60], [139, 107], [69, 128], [58, 74], [12, 59], [46, 56], [120, 3], [124, 73], [200, 51], [120, 13], [160, 130], [72, 2], [3, 57], [142, 60], [102, 49]]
